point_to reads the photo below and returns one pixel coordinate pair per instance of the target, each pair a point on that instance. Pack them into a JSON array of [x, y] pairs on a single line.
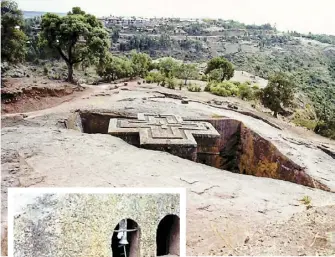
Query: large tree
[[13, 40], [141, 63], [168, 66], [76, 36], [187, 71], [111, 68], [222, 66], [278, 93]]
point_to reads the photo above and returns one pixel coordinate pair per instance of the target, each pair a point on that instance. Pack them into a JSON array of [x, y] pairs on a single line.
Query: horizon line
[[183, 17]]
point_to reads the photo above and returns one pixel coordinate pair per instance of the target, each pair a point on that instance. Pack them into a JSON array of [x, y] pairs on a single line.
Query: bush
[[326, 128], [233, 88], [255, 87], [180, 84], [306, 200], [203, 78], [236, 83], [309, 124], [245, 92], [208, 87], [149, 79], [171, 83], [193, 88], [155, 77]]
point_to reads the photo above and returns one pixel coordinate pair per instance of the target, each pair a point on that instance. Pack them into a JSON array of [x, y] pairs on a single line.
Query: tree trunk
[[275, 114], [185, 82], [70, 72]]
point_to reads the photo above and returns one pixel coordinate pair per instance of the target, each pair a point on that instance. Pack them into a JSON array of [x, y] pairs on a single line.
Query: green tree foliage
[[154, 77], [187, 71], [193, 88], [328, 39], [326, 127], [146, 43], [115, 34], [233, 88], [37, 46], [141, 63], [331, 69], [215, 75], [188, 44], [76, 36], [195, 29], [223, 67], [171, 83], [168, 66], [13, 39], [278, 93], [111, 68]]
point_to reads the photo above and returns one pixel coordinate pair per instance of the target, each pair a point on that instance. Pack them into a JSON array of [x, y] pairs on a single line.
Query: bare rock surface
[[83, 224], [223, 208]]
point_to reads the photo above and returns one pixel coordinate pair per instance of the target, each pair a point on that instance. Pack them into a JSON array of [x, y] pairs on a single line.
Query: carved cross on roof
[[166, 129]]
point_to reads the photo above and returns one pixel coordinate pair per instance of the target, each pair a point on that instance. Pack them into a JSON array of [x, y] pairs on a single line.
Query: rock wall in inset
[[81, 225]]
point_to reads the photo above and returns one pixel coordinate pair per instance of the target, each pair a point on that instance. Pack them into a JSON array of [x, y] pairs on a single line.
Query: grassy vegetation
[[193, 88], [312, 70], [309, 124], [233, 88], [306, 200]]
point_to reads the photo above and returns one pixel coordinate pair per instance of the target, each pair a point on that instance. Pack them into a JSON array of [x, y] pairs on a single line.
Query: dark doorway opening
[[168, 236], [133, 237]]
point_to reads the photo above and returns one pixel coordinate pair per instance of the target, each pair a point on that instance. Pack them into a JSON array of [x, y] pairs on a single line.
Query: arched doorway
[[132, 237], [168, 236]]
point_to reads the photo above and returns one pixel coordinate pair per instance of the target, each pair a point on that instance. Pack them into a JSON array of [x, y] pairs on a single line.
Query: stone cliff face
[[82, 225], [244, 151], [259, 157]]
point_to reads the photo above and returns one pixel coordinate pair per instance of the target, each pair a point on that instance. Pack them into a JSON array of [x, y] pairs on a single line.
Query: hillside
[[260, 50]]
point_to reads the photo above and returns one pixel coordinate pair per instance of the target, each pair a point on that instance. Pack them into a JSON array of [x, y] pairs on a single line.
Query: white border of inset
[[95, 190]]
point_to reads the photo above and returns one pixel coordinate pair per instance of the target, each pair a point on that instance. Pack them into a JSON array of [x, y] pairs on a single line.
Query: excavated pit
[[237, 149]]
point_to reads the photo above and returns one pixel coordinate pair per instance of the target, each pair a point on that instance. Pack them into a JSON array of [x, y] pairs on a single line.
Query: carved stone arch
[[133, 237], [168, 236]]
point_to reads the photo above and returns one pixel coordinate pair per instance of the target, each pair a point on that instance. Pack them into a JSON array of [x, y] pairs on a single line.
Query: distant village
[[180, 28], [173, 26], [147, 25]]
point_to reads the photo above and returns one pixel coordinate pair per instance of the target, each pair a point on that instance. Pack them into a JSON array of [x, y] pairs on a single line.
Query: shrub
[[208, 87], [255, 87], [306, 200], [193, 88], [309, 124], [155, 77], [180, 84], [149, 78], [203, 78], [171, 83], [236, 83], [245, 92], [326, 128], [233, 88]]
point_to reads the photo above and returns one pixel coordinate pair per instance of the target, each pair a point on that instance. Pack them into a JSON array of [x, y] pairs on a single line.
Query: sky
[[301, 15]]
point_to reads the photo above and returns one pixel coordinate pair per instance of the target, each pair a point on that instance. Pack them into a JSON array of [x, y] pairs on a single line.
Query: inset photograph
[[100, 223]]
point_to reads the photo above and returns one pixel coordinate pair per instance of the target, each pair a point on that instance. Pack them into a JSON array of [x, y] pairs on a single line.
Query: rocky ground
[[228, 213]]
